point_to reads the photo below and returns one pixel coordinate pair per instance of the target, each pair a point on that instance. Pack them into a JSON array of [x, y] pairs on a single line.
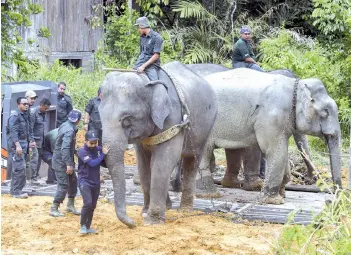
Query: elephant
[[263, 111], [250, 156], [165, 121]]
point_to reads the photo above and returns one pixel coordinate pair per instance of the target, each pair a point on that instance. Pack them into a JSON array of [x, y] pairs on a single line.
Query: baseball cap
[[245, 29], [74, 115], [31, 93], [142, 22], [91, 135]]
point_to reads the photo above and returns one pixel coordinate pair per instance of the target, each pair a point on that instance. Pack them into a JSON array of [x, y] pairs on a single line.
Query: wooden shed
[[72, 39]]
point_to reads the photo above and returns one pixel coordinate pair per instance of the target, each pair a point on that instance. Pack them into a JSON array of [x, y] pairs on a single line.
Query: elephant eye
[[127, 121], [325, 113]]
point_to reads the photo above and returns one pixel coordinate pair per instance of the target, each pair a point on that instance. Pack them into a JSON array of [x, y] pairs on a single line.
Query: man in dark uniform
[[63, 164], [242, 53], [92, 119], [150, 49], [48, 149], [19, 141], [64, 104], [37, 122], [31, 97]]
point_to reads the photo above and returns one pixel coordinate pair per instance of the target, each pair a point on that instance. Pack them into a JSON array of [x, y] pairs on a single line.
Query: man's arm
[[69, 104], [150, 61], [157, 51], [67, 142], [244, 52]]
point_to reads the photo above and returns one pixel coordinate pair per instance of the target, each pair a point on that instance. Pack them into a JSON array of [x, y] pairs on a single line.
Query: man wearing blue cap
[[242, 53], [92, 119], [63, 164], [150, 49]]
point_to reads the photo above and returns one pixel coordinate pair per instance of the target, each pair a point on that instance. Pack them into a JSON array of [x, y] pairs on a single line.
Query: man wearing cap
[[63, 164], [90, 157], [37, 122], [150, 49], [64, 104], [242, 53], [92, 119], [19, 140]]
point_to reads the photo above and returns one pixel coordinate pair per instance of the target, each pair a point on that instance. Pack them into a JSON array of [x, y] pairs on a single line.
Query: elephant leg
[[176, 181], [189, 176], [234, 162], [213, 163], [252, 160], [286, 179], [302, 145], [163, 160], [277, 160], [205, 185], [144, 172]]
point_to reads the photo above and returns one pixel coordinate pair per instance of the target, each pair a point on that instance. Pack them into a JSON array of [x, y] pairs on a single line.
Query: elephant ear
[[160, 103]]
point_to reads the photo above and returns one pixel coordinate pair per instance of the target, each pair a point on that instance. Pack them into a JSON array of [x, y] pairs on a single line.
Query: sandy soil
[[27, 228]]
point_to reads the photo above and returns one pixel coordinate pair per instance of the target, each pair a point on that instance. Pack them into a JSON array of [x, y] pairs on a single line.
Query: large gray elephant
[[249, 156], [134, 110], [263, 111]]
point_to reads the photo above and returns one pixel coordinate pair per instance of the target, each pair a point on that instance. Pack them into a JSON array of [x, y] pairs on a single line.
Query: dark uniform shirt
[[64, 106], [89, 160], [37, 122], [18, 130], [149, 45], [63, 154], [93, 109], [242, 50], [50, 139]]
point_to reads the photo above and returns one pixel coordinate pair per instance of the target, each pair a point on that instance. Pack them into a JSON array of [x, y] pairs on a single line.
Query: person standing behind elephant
[[37, 121], [63, 164], [150, 49], [243, 56], [92, 119], [64, 104], [90, 157]]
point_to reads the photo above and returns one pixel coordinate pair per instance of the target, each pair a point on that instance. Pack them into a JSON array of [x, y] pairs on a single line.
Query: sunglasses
[[33, 98], [247, 33]]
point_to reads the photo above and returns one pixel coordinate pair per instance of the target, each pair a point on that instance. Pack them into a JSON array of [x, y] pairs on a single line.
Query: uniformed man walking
[[150, 49], [19, 141], [37, 122], [92, 121], [64, 104], [63, 164]]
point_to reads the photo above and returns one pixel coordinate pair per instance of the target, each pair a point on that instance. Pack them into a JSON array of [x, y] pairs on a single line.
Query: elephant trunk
[[115, 163], [334, 155]]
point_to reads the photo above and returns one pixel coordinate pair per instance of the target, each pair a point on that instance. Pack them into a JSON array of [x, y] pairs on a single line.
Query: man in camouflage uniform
[[150, 49], [63, 164], [37, 122], [19, 140], [92, 119], [64, 104]]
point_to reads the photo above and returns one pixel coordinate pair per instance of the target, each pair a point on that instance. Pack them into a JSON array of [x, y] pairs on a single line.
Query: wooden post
[[349, 170]]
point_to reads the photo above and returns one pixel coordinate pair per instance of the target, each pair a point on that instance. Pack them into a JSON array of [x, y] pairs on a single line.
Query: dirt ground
[[27, 228]]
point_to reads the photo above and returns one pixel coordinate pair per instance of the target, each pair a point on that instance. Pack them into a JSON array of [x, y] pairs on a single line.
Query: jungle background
[[310, 37]]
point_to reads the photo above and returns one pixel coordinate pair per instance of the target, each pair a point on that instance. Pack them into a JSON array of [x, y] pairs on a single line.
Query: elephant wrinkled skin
[[258, 108], [133, 109]]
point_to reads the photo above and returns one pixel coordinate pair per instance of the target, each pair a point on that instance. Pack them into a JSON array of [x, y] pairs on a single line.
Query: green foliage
[[81, 86], [44, 32], [15, 14], [330, 233]]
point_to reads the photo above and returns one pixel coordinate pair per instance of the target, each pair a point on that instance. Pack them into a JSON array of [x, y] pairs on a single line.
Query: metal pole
[[349, 171]]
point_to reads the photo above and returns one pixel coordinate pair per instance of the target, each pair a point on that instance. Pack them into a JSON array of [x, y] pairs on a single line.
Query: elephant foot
[[144, 211], [153, 219], [136, 179], [205, 188], [282, 191], [253, 185], [274, 199], [228, 182]]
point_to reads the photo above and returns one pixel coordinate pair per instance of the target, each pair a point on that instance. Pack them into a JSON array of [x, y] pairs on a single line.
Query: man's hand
[[105, 148], [19, 150], [32, 145], [69, 170], [141, 69], [85, 127]]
